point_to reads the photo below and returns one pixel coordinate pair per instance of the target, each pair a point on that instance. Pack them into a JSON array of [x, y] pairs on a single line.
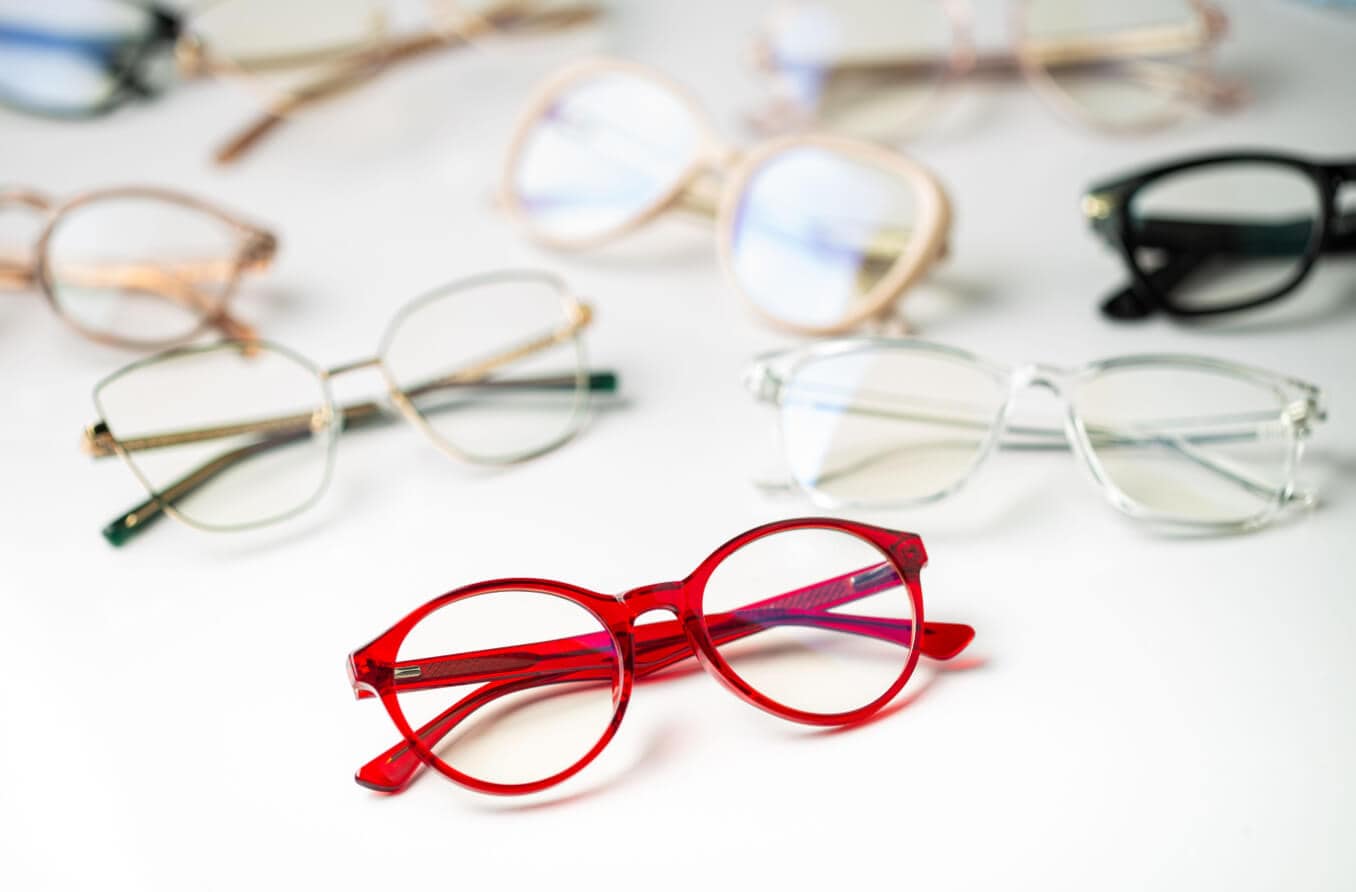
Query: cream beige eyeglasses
[[817, 233], [241, 434], [1114, 66], [136, 266]]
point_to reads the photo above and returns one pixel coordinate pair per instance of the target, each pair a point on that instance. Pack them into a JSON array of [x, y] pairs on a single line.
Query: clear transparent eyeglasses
[[880, 67], [818, 233], [242, 433], [1179, 441], [135, 266], [80, 58]]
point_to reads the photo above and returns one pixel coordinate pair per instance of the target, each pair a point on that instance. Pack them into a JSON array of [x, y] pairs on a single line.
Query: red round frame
[[642, 650]]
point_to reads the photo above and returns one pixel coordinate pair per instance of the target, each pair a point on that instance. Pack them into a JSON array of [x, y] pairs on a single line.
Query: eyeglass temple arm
[[100, 443], [173, 280], [276, 434], [1188, 245], [364, 66], [1237, 427], [504, 671]]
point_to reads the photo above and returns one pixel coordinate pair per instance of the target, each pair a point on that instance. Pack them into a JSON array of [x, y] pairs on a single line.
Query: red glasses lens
[[815, 619], [509, 687]]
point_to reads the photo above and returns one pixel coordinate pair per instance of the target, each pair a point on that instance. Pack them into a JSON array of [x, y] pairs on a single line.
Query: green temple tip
[[603, 382], [130, 523], [118, 532]]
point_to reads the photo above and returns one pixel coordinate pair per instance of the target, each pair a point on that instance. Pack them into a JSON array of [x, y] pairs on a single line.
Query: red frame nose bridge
[[668, 596]]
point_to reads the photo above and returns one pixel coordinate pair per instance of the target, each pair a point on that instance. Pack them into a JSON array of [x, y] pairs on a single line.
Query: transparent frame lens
[[1194, 444], [836, 410]]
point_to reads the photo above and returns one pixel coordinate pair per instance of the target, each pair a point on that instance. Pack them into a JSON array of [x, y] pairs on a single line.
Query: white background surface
[[1151, 712]]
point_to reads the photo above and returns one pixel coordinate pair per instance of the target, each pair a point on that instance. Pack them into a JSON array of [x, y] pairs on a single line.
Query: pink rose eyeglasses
[[514, 685], [136, 266]]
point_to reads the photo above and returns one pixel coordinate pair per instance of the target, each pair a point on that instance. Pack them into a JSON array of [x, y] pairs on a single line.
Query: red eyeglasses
[[514, 685]]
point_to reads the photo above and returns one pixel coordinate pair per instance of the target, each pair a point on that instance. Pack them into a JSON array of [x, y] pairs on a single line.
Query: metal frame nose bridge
[[371, 362]]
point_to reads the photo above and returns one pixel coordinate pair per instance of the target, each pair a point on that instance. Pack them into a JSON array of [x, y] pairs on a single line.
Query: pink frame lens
[[376, 671]]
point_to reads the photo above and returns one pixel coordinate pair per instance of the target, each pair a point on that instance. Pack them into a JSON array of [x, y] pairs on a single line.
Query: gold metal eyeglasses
[[242, 433]]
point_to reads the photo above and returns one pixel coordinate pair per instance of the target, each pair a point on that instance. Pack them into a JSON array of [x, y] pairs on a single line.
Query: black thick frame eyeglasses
[[1171, 254]]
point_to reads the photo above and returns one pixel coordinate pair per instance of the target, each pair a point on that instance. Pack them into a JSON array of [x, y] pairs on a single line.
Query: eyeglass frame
[[99, 441], [1107, 205], [733, 169], [258, 248], [964, 60], [373, 669], [769, 373]]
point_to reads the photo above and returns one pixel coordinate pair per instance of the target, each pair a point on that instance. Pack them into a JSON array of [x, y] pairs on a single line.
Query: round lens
[[68, 58], [1224, 235], [816, 232], [229, 437], [1122, 65], [494, 367], [602, 152], [883, 426], [815, 619], [864, 65], [509, 687], [145, 270], [1189, 443]]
